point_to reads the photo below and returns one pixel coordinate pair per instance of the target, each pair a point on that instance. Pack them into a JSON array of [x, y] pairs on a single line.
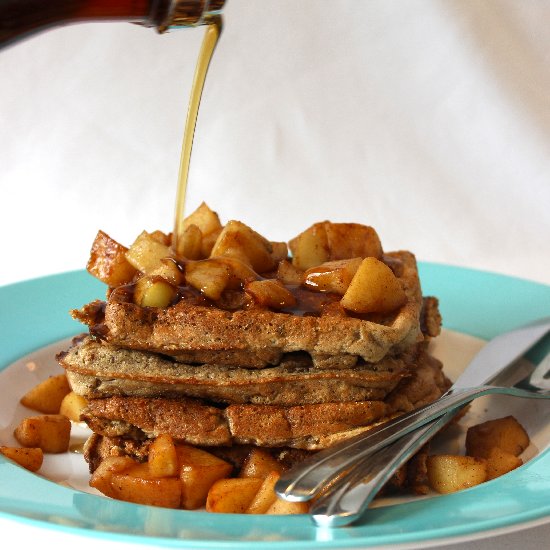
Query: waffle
[[96, 369], [258, 337], [311, 426]]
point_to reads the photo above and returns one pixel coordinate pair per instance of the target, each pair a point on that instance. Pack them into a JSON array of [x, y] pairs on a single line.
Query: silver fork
[[348, 497], [313, 476]]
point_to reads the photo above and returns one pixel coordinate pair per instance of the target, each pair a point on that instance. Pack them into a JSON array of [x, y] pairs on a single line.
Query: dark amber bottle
[[22, 18]]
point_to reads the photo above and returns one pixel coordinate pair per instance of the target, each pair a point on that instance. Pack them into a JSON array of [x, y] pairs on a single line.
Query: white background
[[429, 120]]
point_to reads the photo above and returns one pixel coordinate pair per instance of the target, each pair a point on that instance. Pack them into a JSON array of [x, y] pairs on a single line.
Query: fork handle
[[314, 475], [348, 497], [319, 472], [343, 503]]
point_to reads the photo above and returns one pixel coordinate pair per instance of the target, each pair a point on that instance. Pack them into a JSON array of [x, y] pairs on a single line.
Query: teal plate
[[34, 314]]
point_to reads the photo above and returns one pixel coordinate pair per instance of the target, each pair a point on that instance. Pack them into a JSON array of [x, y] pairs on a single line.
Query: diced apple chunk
[[30, 458], [137, 484], [450, 473], [46, 397], [352, 240], [153, 292], [265, 496], [108, 261], [190, 243], [199, 470], [101, 478], [51, 433], [237, 240], [334, 276], [197, 233], [72, 405], [146, 253], [504, 433], [211, 277], [239, 272], [232, 496], [289, 274], [204, 218], [374, 289], [208, 242], [327, 241], [284, 507], [279, 251], [259, 463], [501, 462], [161, 237], [310, 248], [270, 293], [162, 457], [169, 271]]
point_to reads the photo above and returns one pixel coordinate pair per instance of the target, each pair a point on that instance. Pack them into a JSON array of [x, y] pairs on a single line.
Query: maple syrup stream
[[211, 37]]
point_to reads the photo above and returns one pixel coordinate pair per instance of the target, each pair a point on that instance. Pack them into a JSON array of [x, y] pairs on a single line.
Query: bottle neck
[[190, 13]]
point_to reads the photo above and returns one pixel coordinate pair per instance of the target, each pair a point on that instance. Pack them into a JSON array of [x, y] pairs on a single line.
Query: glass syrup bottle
[[20, 19]]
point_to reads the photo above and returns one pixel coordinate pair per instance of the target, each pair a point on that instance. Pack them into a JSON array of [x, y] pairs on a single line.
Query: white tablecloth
[[428, 119]]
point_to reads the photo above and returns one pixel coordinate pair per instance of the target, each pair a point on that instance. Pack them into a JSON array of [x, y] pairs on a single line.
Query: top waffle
[[238, 300]]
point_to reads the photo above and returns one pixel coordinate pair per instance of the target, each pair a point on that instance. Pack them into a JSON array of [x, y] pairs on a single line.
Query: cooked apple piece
[[204, 218], [190, 243], [147, 253], [374, 289], [327, 241], [333, 276], [289, 274], [169, 271], [237, 240], [161, 237], [451, 473], [270, 293], [504, 433], [279, 251], [265, 496], [352, 240], [153, 292], [310, 248], [199, 470], [232, 496], [284, 507], [30, 458], [208, 242], [259, 463], [101, 478], [46, 397], [72, 406], [239, 272], [50, 432], [137, 484], [210, 276], [162, 457], [108, 261], [501, 462]]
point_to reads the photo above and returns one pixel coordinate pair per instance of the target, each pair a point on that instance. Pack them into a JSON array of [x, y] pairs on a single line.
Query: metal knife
[[310, 477]]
